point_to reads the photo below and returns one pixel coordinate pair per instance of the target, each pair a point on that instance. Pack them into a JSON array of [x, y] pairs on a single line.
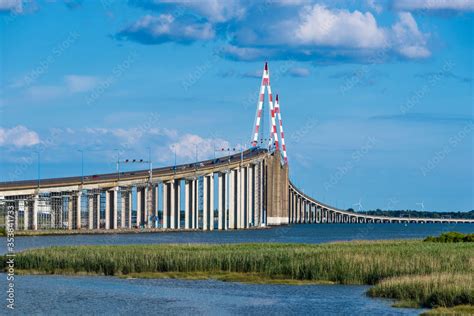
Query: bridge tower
[[274, 113], [275, 170]]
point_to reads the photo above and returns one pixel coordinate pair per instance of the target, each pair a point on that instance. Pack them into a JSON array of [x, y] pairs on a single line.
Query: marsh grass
[[344, 263], [433, 290]]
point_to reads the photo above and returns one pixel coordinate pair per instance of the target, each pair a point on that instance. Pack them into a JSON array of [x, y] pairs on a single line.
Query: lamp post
[[82, 165], [39, 167], [118, 163]]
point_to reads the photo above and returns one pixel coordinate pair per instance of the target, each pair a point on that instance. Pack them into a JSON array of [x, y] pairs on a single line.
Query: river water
[[71, 295], [58, 295], [306, 233]]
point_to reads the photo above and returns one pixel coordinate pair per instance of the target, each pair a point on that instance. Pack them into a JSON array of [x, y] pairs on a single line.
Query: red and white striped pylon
[[273, 112], [265, 83], [282, 134]]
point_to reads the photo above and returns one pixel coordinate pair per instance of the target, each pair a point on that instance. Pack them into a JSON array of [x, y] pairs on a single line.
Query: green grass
[[433, 290], [3, 231], [456, 310], [451, 237], [344, 263]]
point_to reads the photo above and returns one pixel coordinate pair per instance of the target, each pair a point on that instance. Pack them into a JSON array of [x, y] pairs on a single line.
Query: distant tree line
[[412, 213]]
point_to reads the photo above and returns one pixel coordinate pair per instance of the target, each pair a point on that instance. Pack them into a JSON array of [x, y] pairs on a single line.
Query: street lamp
[[118, 163], [82, 165], [39, 167]]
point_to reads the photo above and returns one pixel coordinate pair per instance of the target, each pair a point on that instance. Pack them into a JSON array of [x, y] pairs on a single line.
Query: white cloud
[[319, 33], [18, 136], [71, 84], [434, 5], [212, 10], [324, 27], [151, 29], [186, 146], [76, 83], [244, 53], [408, 39], [299, 72], [376, 6], [11, 6]]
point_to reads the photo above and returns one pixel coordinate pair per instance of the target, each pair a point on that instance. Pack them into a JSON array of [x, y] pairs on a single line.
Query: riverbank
[[358, 262], [65, 232]]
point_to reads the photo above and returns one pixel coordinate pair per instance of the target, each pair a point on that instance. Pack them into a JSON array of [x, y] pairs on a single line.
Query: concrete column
[[35, 213], [211, 202], [221, 205], [232, 208], [187, 204], [172, 221], [90, 214], [144, 215], [98, 211], [27, 208], [193, 204], [78, 209], [261, 193], [70, 212], [157, 205], [138, 219], [130, 208], [107, 209], [115, 208], [290, 220], [250, 196], [206, 203], [178, 204], [123, 207], [166, 204], [243, 197], [298, 205], [239, 199], [197, 203]]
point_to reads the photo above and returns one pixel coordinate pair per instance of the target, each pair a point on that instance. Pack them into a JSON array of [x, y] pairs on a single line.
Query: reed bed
[[433, 290], [344, 263]]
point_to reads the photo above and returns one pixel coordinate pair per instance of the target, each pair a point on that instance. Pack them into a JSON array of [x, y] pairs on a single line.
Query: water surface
[[305, 233], [59, 295]]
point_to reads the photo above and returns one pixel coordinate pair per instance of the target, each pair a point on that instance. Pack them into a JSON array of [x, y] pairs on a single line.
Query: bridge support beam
[[232, 200], [187, 204], [221, 202], [166, 199]]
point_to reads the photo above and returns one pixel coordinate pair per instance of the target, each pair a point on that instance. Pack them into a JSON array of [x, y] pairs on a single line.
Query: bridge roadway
[[250, 189], [305, 209]]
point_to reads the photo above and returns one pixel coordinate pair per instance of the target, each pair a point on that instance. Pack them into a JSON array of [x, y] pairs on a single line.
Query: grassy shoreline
[[65, 232], [389, 265]]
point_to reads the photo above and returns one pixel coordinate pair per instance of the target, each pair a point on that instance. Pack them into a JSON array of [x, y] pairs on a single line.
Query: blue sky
[[376, 96]]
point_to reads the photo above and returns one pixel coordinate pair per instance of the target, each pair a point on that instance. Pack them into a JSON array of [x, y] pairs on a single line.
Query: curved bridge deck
[[244, 190]]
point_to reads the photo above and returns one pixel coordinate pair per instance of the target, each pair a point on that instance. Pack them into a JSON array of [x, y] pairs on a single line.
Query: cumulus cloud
[[11, 6], [324, 27], [409, 41], [186, 146], [18, 136], [323, 34], [151, 29], [212, 10], [300, 30], [434, 5]]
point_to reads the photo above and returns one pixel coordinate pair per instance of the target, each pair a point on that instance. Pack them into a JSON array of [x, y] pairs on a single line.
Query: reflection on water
[[58, 295]]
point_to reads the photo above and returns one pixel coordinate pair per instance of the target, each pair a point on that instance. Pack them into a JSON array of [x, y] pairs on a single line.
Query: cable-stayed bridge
[[247, 189]]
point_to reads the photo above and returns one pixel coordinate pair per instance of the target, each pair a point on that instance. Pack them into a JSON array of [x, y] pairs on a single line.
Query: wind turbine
[[359, 204], [422, 206]]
